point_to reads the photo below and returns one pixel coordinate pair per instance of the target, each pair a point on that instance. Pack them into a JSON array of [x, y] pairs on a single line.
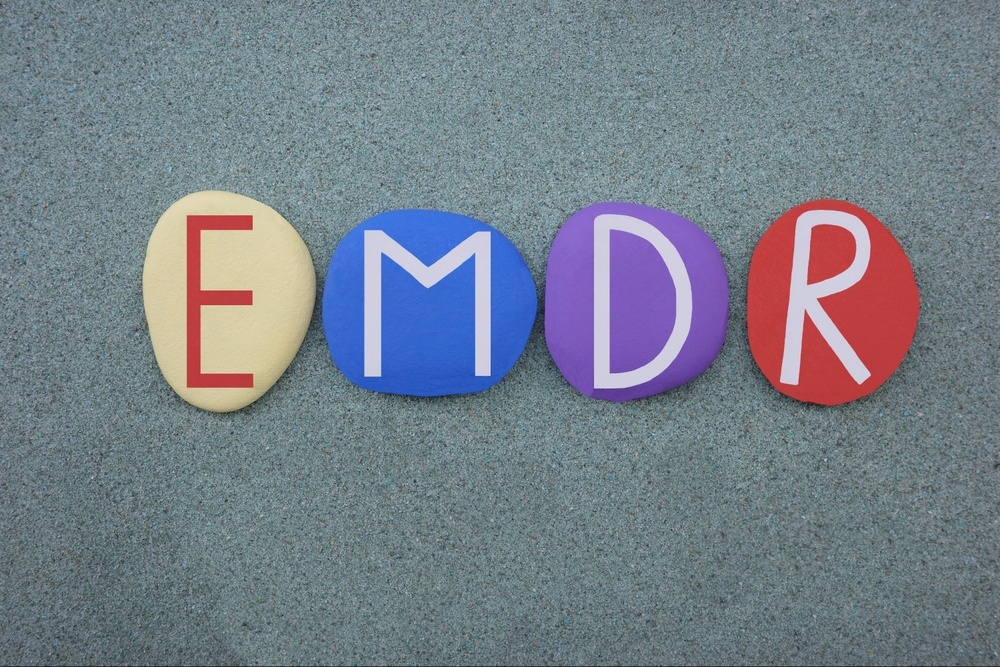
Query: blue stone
[[427, 303]]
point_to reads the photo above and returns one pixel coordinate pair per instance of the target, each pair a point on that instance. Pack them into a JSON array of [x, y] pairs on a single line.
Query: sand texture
[[718, 523]]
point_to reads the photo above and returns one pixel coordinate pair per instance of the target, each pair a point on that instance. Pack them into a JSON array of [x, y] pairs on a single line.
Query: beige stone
[[243, 348]]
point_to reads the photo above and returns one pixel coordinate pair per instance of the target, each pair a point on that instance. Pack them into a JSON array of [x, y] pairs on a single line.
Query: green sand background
[[721, 522]]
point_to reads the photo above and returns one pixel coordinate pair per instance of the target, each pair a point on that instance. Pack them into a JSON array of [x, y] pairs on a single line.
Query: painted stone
[[427, 303], [832, 303], [228, 287], [636, 301]]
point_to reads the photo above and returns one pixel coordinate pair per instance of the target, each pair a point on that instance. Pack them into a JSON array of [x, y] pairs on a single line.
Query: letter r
[[378, 243], [197, 298], [803, 298]]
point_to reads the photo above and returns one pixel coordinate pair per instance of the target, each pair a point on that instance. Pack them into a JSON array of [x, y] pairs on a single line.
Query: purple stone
[[657, 307]]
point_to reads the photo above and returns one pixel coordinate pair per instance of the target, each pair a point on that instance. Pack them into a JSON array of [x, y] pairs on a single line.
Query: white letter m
[[378, 243]]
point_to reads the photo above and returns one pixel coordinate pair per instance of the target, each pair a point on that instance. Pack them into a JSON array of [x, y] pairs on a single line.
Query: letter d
[[604, 378]]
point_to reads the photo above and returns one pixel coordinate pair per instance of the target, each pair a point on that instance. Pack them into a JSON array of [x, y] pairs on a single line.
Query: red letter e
[[197, 297]]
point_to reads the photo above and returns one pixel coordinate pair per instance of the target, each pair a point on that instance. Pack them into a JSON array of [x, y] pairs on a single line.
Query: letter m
[[378, 243]]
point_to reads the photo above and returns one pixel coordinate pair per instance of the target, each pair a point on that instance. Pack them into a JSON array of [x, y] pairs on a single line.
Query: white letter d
[[603, 377]]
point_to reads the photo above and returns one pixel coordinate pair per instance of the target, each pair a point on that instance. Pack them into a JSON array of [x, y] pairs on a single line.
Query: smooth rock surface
[[228, 288], [662, 318], [427, 303], [832, 303]]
